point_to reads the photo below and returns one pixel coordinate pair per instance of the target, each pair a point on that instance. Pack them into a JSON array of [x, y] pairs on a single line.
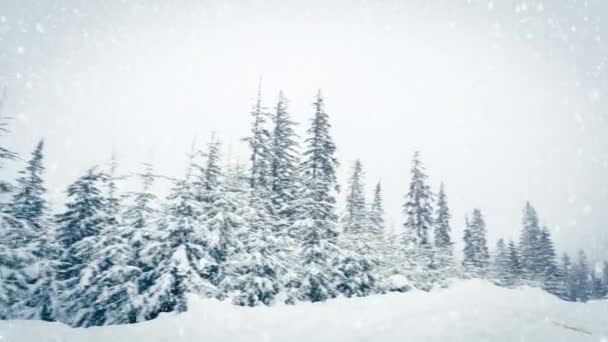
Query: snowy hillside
[[472, 310]]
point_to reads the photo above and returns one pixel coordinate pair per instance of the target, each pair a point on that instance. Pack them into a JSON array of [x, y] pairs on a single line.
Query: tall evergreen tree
[[256, 269], [28, 204], [418, 205], [502, 274], [548, 264], [376, 214], [581, 272], [443, 240], [316, 218], [210, 173], [359, 241], [476, 255], [355, 218], [79, 227], [5, 153], [179, 254], [442, 220], [140, 215], [419, 221], [529, 245], [514, 264], [568, 278], [36, 238], [605, 280], [260, 145], [283, 166], [108, 283]]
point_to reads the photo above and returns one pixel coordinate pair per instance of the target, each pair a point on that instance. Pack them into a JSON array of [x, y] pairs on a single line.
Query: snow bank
[[468, 311]]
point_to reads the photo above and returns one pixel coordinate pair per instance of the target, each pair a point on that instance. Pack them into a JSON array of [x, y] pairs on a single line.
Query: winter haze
[[505, 100]]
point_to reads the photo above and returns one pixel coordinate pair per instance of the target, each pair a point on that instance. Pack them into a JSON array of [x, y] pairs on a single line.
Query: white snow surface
[[471, 310]]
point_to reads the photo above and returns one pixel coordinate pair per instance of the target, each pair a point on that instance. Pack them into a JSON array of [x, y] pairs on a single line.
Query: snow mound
[[469, 311]]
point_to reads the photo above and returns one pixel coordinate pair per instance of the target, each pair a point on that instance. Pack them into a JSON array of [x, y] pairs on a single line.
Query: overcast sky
[[505, 100]]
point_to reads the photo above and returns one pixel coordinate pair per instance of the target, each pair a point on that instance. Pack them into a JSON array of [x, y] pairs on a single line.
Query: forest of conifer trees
[[259, 233]]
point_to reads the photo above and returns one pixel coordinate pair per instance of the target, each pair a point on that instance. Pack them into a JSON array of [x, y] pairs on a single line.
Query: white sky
[[506, 102]]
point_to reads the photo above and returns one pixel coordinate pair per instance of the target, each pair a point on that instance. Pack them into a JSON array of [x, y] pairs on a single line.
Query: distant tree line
[[253, 235]]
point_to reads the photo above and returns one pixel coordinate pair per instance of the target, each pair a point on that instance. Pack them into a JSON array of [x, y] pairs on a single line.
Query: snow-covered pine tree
[[501, 273], [111, 277], [568, 278], [418, 204], [28, 204], [442, 239], [386, 242], [596, 285], [36, 239], [255, 271], [359, 262], [5, 153], [581, 272], [208, 177], [547, 260], [141, 213], [529, 246], [316, 220], [605, 280], [260, 145], [226, 205], [514, 264], [355, 217], [78, 228], [376, 212], [13, 281], [178, 254], [283, 166], [476, 255], [418, 212]]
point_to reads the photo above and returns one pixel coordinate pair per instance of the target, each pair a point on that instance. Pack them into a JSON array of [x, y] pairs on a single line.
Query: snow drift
[[470, 310]]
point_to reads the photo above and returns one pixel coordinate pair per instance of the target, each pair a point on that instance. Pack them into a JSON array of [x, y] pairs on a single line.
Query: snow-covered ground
[[468, 311]]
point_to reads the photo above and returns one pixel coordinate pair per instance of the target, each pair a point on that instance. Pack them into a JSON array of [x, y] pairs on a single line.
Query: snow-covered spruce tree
[[260, 145], [529, 246], [550, 273], [208, 177], [36, 238], [596, 285], [316, 220], [359, 262], [376, 212], [78, 229], [283, 166], [514, 264], [12, 279], [476, 255], [418, 204], [112, 275], [418, 212], [501, 263], [225, 207], [5, 153], [581, 272], [443, 242], [355, 217], [140, 214], [386, 240], [255, 271], [605, 280], [179, 253], [568, 278]]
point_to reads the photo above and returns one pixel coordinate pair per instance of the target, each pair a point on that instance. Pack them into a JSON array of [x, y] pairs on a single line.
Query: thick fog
[[505, 100]]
